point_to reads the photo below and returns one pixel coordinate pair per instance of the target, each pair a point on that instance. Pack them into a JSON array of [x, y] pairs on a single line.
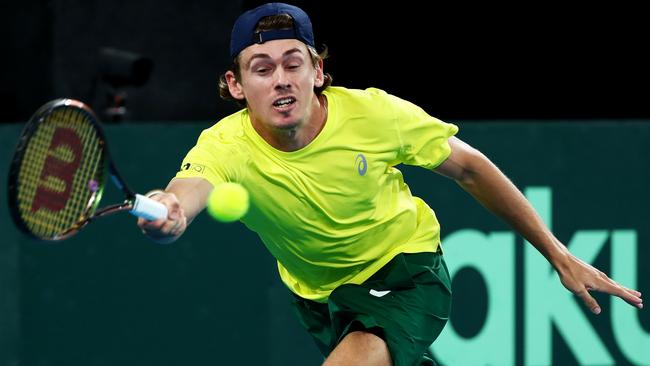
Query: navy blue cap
[[244, 35]]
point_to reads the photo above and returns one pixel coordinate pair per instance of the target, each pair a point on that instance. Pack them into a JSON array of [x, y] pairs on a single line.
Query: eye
[[293, 65], [261, 70]]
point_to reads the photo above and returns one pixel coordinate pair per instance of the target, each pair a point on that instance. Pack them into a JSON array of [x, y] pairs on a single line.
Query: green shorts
[[406, 303]]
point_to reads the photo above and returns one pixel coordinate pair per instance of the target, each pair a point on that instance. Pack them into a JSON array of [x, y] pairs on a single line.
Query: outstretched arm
[[477, 175], [185, 198]]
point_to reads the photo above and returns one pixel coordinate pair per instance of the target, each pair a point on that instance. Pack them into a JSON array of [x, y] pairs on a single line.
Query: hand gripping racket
[[58, 173]]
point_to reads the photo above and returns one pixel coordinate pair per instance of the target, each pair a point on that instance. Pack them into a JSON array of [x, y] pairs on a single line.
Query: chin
[[288, 124]]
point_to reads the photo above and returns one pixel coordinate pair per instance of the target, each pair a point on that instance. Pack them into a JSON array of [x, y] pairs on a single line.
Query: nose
[[282, 79]]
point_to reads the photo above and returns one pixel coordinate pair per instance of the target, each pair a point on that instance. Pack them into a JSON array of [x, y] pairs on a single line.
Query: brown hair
[[273, 22]]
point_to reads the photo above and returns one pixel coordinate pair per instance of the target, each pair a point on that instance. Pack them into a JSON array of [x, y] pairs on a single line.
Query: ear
[[234, 86], [320, 75]]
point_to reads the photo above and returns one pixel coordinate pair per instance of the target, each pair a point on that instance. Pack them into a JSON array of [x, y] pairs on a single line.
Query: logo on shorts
[[379, 293], [361, 164]]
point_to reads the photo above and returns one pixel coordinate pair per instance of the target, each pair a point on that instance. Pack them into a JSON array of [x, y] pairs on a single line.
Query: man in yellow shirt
[[360, 254]]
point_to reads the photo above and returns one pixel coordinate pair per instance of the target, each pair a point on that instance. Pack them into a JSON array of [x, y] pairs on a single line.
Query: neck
[[300, 136]]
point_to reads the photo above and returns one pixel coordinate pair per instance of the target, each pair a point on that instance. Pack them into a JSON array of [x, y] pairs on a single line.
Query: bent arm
[[184, 198], [477, 175]]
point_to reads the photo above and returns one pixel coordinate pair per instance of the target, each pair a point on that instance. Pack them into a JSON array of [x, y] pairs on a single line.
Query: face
[[277, 81]]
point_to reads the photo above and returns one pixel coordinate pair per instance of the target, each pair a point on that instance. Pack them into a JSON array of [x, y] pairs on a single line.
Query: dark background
[[459, 62]]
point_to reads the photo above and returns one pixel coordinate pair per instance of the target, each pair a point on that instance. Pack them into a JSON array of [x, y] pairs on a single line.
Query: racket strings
[[87, 180], [64, 145]]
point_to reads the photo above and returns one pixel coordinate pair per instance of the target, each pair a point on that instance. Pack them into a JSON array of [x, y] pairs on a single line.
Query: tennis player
[[360, 254]]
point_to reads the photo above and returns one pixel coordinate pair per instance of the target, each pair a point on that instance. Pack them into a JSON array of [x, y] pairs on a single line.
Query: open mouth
[[284, 102]]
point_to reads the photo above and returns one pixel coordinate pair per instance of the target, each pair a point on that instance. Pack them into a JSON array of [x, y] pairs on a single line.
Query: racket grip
[[148, 209]]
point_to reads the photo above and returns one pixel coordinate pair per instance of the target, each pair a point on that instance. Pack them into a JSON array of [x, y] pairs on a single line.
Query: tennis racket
[[59, 170]]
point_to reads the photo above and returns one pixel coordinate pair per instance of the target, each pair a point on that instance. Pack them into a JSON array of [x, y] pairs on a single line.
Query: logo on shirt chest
[[361, 164]]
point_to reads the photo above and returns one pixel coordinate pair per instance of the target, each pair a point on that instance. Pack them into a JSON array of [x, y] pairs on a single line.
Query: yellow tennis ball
[[228, 202]]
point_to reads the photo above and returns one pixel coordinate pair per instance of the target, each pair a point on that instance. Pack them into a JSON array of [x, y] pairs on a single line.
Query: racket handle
[[148, 209]]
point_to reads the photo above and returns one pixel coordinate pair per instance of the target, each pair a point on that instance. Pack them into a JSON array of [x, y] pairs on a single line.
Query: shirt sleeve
[[423, 138], [211, 159]]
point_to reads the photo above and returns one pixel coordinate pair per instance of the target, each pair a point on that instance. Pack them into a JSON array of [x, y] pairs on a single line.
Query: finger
[[169, 227], [630, 296], [634, 292], [174, 212], [151, 225], [180, 228], [589, 301], [182, 223], [172, 204]]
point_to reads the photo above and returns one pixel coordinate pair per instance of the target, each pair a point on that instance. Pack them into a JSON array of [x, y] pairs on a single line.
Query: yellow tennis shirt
[[337, 210]]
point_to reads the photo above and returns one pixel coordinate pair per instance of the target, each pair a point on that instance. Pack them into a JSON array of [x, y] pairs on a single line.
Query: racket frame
[[92, 210]]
